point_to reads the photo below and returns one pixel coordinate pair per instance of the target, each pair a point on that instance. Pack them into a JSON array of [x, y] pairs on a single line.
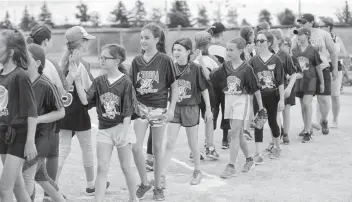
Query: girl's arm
[[206, 98], [52, 116], [205, 70], [321, 75], [32, 127], [259, 99], [343, 52], [81, 92], [174, 96], [292, 80]]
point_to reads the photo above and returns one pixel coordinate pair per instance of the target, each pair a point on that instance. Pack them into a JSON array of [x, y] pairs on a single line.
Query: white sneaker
[[334, 125]]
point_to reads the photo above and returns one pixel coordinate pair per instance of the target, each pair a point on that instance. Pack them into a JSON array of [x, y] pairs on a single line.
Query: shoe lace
[[247, 165]]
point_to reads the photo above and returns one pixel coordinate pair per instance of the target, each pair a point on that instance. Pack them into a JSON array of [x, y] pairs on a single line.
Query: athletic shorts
[[305, 86], [237, 107], [187, 116], [291, 99], [106, 135], [43, 145], [327, 79], [154, 114], [336, 84], [54, 146]]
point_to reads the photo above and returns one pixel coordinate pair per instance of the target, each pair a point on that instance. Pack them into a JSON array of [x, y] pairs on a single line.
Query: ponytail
[[161, 43], [157, 31], [122, 69]]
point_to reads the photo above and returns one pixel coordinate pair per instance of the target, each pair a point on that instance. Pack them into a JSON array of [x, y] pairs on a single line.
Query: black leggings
[[270, 103], [149, 143]]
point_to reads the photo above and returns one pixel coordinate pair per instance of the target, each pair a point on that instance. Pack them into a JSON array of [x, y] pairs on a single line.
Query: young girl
[[308, 60], [269, 72], [286, 46], [115, 100], [152, 75], [203, 41], [50, 109], [77, 120], [18, 117], [192, 84], [238, 81], [289, 81]]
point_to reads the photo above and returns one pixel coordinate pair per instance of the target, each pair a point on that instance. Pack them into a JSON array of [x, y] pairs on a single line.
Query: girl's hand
[[75, 57], [74, 71], [299, 76], [30, 150], [170, 115], [208, 114], [322, 87], [280, 106], [287, 92]]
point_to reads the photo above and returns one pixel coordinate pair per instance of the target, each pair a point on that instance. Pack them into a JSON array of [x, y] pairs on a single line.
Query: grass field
[[319, 171]]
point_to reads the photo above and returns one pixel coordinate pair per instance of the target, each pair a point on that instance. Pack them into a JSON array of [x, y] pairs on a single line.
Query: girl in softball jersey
[[270, 75], [152, 74], [238, 81], [192, 84]]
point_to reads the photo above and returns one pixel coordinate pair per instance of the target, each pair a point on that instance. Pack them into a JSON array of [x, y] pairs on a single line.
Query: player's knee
[[157, 149], [103, 167], [125, 167], [136, 149]]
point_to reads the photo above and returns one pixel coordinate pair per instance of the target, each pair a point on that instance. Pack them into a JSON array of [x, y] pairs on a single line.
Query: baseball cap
[[301, 31], [76, 33], [307, 17], [217, 28]]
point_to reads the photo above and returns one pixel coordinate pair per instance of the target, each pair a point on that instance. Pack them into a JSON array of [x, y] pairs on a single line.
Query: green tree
[[6, 23], [45, 16], [95, 19], [345, 15], [82, 14], [265, 15], [156, 16], [326, 19], [286, 17], [179, 14], [202, 19], [245, 23], [232, 16], [25, 20], [119, 16], [138, 14]]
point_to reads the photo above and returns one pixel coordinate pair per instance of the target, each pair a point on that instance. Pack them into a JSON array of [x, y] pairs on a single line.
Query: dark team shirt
[[270, 74], [307, 60], [152, 79], [191, 83], [113, 101], [241, 80], [287, 63], [48, 99], [17, 102]]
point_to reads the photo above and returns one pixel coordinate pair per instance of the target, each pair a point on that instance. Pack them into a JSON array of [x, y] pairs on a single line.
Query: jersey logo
[[110, 104], [233, 84], [183, 86], [271, 67], [4, 100], [146, 79], [67, 98], [303, 62], [266, 79]]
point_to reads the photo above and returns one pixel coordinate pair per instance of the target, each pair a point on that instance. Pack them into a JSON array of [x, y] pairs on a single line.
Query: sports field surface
[[317, 171]]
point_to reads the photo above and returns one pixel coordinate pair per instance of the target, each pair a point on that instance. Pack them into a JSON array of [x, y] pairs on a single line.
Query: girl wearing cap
[[114, 98], [203, 41], [238, 81], [18, 117], [192, 84], [309, 62], [289, 81], [152, 74], [77, 120], [50, 109], [269, 72], [41, 35]]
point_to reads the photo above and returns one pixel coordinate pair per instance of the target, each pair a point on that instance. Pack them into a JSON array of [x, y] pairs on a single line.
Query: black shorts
[[78, 121], [305, 86], [291, 99], [187, 116], [327, 79], [43, 145], [54, 146], [16, 148]]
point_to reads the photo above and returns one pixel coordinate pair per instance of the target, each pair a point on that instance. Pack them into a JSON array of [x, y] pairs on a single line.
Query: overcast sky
[[62, 8]]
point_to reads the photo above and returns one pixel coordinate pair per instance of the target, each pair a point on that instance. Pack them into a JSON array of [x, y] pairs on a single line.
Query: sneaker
[[196, 177], [249, 165], [324, 127], [285, 139], [158, 194], [163, 182], [225, 145], [201, 156], [316, 126], [92, 191], [258, 159], [276, 152], [149, 165], [247, 135], [270, 147], [142, 190], [229, 172], [334, 124], [307, 138], [301, 134], [133, 199], [211, 153], [47, 199]]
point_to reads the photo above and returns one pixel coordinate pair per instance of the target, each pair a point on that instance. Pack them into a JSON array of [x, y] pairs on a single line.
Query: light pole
[[300, 8]]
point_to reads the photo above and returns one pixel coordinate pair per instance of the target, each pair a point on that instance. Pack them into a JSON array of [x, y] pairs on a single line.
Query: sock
[[90, 184], [249, 159], [225, 135]]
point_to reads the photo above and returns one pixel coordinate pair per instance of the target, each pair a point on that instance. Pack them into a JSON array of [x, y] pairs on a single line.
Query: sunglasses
[[105, 58], [260, 41]]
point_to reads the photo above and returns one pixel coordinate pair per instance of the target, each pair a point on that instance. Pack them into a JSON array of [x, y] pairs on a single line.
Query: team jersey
[[152, 79], [270, 74], [241, 80], [191, 83], [287, 63], [113, 102], [307, 60], [17, 102], [48, 99]]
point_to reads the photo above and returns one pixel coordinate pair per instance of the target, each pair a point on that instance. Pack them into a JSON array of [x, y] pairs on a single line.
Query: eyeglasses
[[104, 58], [261, 41]]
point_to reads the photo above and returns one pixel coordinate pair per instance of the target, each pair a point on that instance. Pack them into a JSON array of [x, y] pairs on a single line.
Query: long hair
[[16, 41], [157, 31], [269, 36], [37, 52], [118, 52], [38, 34]]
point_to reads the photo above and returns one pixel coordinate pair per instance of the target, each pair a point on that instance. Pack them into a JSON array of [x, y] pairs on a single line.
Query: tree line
[[178, 15]]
